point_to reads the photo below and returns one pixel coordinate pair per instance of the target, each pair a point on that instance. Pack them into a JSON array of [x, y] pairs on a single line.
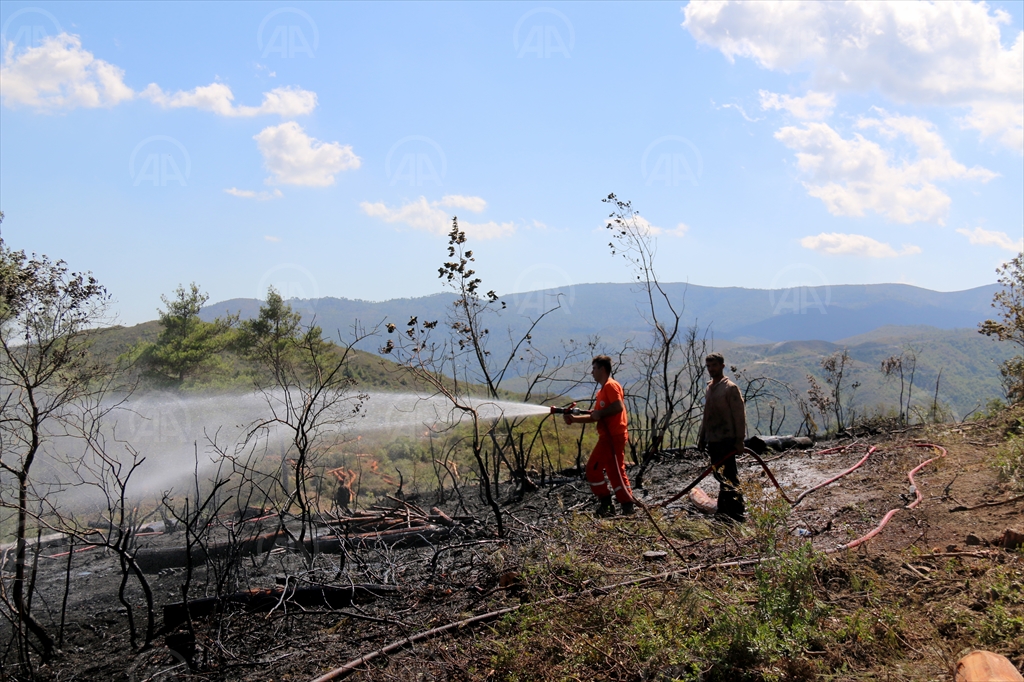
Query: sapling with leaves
[[48, 380], [1010, 325]]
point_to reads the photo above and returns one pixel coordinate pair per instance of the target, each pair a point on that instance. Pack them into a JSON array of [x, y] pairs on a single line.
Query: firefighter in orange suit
[[609, 455]]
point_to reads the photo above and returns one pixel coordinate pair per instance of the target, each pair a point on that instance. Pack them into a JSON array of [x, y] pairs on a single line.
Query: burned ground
[[903, 606]]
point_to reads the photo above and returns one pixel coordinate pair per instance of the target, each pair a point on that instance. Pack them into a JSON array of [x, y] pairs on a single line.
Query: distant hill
[[968, 362], [782, 333], [612, 310], [369, 369]]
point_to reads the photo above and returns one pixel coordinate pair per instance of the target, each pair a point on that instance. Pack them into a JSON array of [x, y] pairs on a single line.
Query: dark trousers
[[730, 500]]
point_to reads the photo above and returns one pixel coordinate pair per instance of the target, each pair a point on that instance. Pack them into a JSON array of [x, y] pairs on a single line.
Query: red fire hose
[[917, 493], [850, 545]]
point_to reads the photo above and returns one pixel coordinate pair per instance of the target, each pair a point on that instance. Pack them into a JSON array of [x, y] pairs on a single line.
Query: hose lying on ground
[[850, 545], [917, 500], [771, 476], [353, 665]]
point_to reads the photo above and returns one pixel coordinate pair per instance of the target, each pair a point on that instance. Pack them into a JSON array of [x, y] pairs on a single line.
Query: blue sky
[[323, 148]]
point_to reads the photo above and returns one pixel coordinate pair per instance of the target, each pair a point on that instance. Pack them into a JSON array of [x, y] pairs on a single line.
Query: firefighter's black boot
[[604, 507], [627, 509]]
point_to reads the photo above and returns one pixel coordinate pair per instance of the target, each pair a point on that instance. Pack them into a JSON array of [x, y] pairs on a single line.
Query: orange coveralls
[[609, 455]]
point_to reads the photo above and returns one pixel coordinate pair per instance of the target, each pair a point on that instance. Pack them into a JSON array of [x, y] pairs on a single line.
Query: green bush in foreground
[[1010, 460]]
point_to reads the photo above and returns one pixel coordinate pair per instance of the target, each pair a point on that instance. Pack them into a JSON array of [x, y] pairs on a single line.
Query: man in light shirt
[[721, 435]]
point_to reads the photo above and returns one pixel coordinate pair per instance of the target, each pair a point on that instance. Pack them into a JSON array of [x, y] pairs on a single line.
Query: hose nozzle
[[568, 409]]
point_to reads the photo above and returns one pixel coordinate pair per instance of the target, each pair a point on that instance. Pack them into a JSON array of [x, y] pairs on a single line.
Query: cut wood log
[[702, 501], [438, 516], [985, 666], [265, 599], [153, 559]]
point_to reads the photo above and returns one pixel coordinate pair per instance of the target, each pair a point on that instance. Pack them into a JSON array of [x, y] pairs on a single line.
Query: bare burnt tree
[[545, 375], [442, 364], [667, 395], [452, 366], [194, 513], [767, 398], [106, 475], [308, 391], [822, 401], [834, 400], [46, 375], [902, 367]]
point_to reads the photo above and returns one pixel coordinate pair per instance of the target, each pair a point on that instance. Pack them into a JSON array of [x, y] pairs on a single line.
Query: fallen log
[[761, 444], [44, 542], [153, 559], [265, 599], [399, 538], [438, 516]]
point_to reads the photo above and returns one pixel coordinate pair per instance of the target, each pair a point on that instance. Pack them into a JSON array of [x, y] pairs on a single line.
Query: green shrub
[[1010, 461]]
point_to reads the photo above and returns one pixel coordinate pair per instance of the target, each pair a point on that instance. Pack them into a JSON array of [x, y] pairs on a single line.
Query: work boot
[[627, 509], [604, 507], [730, 519]]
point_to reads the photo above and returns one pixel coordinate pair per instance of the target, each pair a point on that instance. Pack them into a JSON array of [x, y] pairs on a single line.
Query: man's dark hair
[[715, 357], [604, 362]]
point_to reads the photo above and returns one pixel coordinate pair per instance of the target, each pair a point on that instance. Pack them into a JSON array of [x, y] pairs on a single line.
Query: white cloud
[[738, 108], [814, 106], [251, 194], [1001, 120], [835, 243], [59, 74], [271, 238], [474, 204], [941, 53], [218, 99], [985, 237], [431, 216], [295, 158], [852, 176]]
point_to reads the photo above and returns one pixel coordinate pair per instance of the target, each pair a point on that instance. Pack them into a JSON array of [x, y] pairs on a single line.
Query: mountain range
[[615, 311], [781, 333]]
